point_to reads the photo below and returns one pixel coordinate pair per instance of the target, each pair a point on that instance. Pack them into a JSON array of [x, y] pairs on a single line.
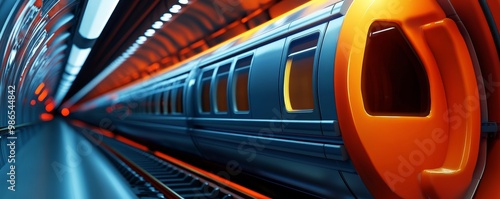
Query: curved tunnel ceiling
[[38, 37], [35, 38], [199, 25]]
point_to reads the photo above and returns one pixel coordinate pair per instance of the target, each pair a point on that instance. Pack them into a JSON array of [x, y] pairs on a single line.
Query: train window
[[168, 103], [205, 79], [148, 104], [179, 100], [142, 105], [158, 103], [298, 81], [152, 104], [161, 103], [240, 84], [221, 88], [393, 79]]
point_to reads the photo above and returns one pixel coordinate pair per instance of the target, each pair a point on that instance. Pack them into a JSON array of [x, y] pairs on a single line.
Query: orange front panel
[[401, 151]]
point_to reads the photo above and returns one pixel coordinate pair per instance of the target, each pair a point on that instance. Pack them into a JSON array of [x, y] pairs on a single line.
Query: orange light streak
[[39, 88], [43, 95]]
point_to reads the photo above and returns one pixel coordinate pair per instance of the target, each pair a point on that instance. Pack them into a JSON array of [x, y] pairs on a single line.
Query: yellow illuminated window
[[299, 70], [221, 89], [240, 84]]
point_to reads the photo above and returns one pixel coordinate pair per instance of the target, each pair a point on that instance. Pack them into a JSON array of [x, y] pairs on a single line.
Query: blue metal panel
[[335, 152], [171, 136], [325, 78], [298, 164], [264, 82], [358, 188]]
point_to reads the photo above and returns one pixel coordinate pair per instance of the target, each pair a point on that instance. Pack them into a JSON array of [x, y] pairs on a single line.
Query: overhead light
[[78, 56], [166, 17], [96, 16], [149, 32], [157, 25], [72, 70], [183, 1], [141, 40], [68, 77], [175, 8]]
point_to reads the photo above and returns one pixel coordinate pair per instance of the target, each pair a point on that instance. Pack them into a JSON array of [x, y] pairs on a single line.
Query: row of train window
[[169, 101], [216, 80], [213, 84]]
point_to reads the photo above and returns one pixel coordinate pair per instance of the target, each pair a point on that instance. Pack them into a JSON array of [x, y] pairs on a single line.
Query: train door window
[[240, 84], [161, 109], [142, 105], [152, 104], [204, 92], [158, 103], [221, 88], [148, 104], [179, 100], [298, 81], [168, 102]]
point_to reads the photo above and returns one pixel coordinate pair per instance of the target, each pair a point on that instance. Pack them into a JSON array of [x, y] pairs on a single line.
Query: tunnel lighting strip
[[95, 17], [167, 16]]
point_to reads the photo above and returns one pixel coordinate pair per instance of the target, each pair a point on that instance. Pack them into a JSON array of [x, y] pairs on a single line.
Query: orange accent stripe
[[101, 131], [39, 88], [78, 123], [42, 96], [252, 15], [218, 33], [132, 143], [104, 132], [223, 181], [197, 44]]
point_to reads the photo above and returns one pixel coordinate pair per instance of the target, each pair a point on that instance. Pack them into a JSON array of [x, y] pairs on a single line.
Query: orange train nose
[[407, 99]]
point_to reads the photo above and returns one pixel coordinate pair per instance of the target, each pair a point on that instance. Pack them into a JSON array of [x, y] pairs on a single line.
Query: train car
[[338, 99]]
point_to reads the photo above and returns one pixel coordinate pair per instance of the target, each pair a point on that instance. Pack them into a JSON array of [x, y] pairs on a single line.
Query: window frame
[[216, 78], [235, 70], [286, 79]]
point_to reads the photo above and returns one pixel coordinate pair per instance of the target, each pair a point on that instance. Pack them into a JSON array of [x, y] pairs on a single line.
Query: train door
[[298, 82], [407, 99]]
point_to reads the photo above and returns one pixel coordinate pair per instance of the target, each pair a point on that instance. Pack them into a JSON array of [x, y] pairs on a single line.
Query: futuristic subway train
[[339, 99]]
